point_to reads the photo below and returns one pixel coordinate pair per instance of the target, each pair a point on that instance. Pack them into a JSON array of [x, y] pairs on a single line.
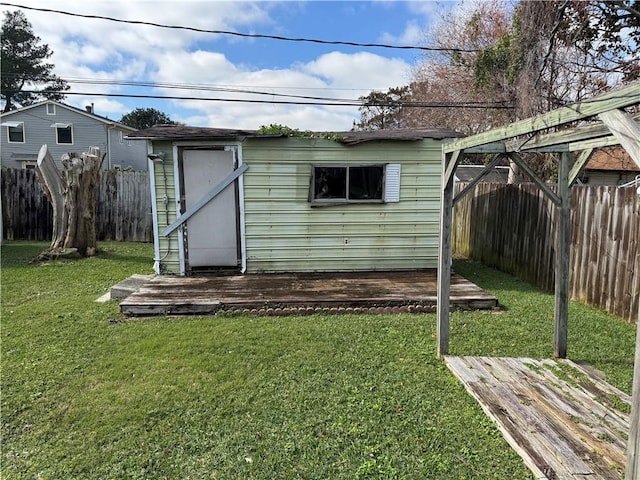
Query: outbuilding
[[241, 201]]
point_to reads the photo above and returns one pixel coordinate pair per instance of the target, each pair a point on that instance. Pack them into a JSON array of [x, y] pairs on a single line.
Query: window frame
[[346, 199], [53, 109], [60, 128], [18, 124]]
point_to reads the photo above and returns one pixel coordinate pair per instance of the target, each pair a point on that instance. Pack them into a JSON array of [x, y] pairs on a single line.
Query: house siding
[[608, 177], [87, 132], [285, 233]]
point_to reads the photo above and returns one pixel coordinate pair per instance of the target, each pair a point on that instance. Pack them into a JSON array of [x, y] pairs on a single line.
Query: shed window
[[51, 109], [358, 184], [15, 132], [64, 133]]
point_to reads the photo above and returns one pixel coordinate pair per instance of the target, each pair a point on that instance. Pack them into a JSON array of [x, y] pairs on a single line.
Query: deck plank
[[559, 419], [209, 294]]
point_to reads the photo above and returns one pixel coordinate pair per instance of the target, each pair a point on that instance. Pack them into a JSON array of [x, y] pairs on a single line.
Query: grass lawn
[[89, 394]]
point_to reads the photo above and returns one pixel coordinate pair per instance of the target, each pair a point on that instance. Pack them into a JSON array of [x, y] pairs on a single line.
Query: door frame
[[236, 148]]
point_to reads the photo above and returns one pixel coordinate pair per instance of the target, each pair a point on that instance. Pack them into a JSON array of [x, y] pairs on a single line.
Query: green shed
[[241, 201]]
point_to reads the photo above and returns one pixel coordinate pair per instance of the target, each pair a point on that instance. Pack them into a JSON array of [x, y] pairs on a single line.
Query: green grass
[[87, 393]]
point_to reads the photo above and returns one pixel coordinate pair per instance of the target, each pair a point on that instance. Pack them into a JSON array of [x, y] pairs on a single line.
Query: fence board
[[512, 227], [123, 210]]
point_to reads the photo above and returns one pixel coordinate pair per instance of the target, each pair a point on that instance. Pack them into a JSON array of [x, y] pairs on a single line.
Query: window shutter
[[392, 183]]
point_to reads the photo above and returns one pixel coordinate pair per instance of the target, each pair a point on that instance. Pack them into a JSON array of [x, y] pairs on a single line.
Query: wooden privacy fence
[[512, 227], [123, 210]]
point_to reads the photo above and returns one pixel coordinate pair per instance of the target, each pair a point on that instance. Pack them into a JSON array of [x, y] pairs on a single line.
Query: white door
[[211, 233]]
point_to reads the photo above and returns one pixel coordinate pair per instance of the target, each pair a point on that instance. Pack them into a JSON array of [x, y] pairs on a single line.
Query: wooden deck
[[378, 292], [562, 418]]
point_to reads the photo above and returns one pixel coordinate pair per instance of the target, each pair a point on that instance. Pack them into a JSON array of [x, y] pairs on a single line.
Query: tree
[[25, 76], [72, 193], [142, 118], [446, 77], [380, 110]]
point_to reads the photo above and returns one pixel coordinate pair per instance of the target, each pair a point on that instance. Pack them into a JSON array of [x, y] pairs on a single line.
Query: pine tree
[[25, 77]]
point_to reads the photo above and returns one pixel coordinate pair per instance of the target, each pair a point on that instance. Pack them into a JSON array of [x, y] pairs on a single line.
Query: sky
[[96, 56]]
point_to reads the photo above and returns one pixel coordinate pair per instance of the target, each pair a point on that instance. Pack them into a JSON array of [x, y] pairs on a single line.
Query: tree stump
[[72, 193]]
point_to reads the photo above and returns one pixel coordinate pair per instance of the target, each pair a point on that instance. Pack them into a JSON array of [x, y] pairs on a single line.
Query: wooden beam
[[620, 98], [444, 254], [633, 445], [534, 177], [563, 232], [496, 147], [579, 164], [475, 181], [562, 140], [626, 130], [451, 165], [601, 142]]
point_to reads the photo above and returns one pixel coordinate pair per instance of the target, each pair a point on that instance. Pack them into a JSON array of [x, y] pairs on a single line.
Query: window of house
[[339, 184], [15, 132], [29, 165], [64, 133], [51, 109]]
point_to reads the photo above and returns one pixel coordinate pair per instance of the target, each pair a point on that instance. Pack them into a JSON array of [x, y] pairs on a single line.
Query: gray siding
[[87, 131], [127, 153]]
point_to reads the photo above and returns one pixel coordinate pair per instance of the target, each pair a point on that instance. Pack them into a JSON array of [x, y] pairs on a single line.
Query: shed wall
[[284, 232], [165, 208]]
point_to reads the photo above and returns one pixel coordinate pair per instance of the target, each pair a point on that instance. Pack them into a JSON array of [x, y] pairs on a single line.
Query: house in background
[[66, 129], [610, 166], [241, 201]]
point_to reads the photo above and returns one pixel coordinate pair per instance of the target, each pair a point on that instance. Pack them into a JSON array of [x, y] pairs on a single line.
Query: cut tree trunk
[[50, 180], [72, 194]]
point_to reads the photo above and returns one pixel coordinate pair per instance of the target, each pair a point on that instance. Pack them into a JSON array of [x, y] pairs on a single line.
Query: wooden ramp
[[561, 417], [377, 292]]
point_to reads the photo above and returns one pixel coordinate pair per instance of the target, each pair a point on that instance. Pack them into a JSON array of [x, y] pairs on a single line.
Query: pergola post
[[560, 324], [450, 161], [633, 446]]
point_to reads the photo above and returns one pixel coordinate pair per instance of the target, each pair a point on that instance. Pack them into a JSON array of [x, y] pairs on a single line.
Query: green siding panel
[[166, 211], [284, 232]]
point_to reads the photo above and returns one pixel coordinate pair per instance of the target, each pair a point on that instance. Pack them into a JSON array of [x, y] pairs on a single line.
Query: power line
[[239, 34], [327, 103]]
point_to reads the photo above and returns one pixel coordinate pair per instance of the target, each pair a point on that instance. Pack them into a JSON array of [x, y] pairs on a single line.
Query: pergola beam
[[485, 171], [568, 139], [621, 98], [536, 179], [579, 164], [626, 131]]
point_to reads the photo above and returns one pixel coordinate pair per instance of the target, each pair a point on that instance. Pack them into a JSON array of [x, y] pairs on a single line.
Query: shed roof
[[181, 132]]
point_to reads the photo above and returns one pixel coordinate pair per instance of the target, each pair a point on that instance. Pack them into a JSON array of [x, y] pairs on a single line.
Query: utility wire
[[238, 34], [213, 88], [333, 103]]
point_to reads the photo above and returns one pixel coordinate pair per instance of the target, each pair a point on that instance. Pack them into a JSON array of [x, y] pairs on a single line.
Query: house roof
[[611, 159], [173, 132], [100, 118]]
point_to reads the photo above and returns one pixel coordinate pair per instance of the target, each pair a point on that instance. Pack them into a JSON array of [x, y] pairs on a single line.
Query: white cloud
[[108, 51], [374, 72]]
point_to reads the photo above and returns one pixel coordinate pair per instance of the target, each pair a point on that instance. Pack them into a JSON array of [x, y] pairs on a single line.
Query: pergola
[[605, 124]]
